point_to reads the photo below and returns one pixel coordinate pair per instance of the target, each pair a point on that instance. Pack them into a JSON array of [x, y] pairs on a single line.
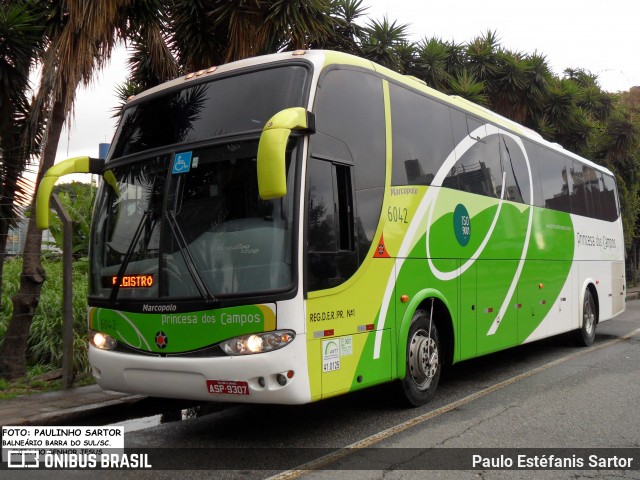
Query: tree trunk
[[13, 352]]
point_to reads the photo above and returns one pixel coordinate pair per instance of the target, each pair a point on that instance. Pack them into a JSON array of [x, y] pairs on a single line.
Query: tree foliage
[[77, 39], [20, 44], [77, 199]]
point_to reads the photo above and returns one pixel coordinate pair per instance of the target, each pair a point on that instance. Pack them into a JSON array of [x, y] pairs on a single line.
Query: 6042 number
[[397, 214]]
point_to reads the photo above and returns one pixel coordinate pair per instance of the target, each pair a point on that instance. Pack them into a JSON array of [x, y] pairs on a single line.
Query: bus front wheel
[[423, 360], [586, 334]]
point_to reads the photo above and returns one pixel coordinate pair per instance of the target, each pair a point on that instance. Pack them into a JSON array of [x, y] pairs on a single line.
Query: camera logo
[[23, 459]]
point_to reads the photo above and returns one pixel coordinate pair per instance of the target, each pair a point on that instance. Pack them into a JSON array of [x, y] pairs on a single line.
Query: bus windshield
[[229, 105], [167, 230], [183, 218]]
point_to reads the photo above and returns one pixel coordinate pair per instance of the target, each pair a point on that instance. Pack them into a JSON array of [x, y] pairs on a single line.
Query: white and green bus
[[297, 226]]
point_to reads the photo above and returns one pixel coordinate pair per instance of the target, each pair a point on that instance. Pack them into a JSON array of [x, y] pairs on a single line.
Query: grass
[[34, 384], [45, 336]]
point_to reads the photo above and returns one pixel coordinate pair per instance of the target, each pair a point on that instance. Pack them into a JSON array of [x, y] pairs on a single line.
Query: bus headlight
[[102, 340], [257, 342]]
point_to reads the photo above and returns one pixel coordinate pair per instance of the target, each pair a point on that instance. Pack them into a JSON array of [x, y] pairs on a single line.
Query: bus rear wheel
[[423, 360], [586, 334]]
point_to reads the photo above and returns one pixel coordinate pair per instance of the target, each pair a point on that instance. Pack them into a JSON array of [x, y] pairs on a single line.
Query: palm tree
[[534, 96], [512, 74], [381, 40], [246, 28], [466, 86], [202, 33], [20, 42], [79, 38], [433, 61], [145, 32], [622, 136], [347, 34], [406, 59], [296, 24], [196, 37], [521, 83], [482, 60]]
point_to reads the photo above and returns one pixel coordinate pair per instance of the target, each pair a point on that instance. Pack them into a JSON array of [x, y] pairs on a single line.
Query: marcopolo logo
[[462, 225], [146, 308]]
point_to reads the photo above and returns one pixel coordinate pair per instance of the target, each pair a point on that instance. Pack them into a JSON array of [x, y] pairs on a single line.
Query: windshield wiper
[[127, 257], [188, 258]]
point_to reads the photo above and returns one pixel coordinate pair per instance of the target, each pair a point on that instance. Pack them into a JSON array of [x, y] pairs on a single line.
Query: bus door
[[497, 315], [341, 310], [468, 314]]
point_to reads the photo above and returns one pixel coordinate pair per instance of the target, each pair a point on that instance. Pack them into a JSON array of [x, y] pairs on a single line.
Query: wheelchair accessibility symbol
[[181, 163]]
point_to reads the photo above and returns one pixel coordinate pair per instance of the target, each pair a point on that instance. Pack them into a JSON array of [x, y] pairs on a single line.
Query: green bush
[[45, 336]]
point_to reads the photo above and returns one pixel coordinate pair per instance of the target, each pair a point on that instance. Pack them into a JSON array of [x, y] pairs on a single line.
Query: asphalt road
[[544, 395]]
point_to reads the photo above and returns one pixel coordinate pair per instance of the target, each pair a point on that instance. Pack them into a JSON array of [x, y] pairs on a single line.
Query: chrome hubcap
[[423, 359], [588, 317]]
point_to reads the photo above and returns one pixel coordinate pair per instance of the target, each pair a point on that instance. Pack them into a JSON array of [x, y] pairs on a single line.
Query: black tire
[[423, 360], [586, 334]]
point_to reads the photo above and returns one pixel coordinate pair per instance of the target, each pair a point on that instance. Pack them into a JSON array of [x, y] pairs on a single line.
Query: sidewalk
[[633, 293], [78, 405], [57, 408]]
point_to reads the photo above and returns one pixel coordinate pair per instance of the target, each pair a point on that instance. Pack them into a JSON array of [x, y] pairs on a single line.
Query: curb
[[37, 411], [40, 412], [81, 412]]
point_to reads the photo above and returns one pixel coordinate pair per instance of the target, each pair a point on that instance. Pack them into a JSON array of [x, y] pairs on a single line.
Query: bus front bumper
[[274, 377]]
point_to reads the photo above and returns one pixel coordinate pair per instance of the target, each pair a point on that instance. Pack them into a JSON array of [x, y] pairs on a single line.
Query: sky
[[600, 36]]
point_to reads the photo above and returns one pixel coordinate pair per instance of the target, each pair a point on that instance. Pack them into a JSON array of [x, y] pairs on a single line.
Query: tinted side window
[[479, 170], [608, 199], [552, 172], [517, 175], [331, 254], [532, 152], [579, 200], [349, 106], [320, 204], [350, 124], [475, 127], [592, 186], [422, 137]]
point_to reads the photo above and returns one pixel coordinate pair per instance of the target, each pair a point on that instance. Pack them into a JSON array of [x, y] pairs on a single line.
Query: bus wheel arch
[[425, 345], [584, 335]]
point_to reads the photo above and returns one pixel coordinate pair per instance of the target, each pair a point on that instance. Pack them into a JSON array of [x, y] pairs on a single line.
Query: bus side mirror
[[71, 165], [272, 149]]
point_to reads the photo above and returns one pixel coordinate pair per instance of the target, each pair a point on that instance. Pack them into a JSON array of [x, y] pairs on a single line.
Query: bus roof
[[322, 58]]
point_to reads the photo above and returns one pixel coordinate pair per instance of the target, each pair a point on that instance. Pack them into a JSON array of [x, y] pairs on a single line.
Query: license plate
[[227, 387]]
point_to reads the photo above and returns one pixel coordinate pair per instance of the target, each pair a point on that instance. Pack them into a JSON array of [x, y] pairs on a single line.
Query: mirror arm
[[71, 165], [272, 182]]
